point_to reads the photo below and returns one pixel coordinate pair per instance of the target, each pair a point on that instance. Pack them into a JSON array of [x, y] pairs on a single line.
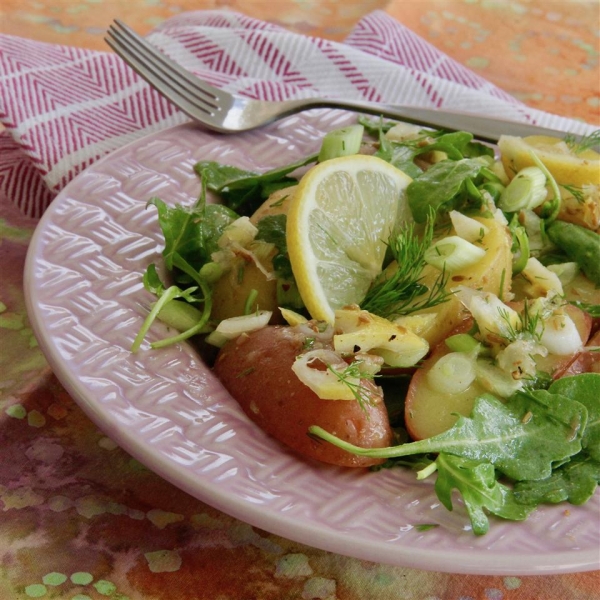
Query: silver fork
[[223, 112]]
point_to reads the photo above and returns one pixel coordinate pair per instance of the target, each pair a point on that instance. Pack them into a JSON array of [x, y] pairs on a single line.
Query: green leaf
[[461, 142], [584, 388], [272, 229], [523, 438], [477, 484], [216, 218], [192, 232], [152, 281], [575, 481], [375, 125], [400, 155], [244, 191], [440, 186]]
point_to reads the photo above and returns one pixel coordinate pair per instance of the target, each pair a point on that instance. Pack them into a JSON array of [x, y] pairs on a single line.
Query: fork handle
[[484, 128]]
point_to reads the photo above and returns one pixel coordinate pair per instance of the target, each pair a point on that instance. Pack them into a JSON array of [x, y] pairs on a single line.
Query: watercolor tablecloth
[[81, 519]]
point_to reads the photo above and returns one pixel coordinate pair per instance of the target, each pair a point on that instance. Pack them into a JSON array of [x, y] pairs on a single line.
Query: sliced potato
[[572, 170], [232, 290], [278, 203], [429, 411], [492, 273]]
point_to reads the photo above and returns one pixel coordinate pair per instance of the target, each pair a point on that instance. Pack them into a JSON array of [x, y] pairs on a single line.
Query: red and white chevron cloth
[[63, 107]]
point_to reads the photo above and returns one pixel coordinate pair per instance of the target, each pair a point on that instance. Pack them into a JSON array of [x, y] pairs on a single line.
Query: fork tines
[[185, 90]]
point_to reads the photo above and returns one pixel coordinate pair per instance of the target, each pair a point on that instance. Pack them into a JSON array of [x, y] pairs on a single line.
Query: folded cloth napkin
[[63, 108]]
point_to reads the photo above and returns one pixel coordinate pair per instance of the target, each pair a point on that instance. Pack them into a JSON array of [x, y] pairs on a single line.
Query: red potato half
[[256, 370], [557, 366], [586, 361], [429, 412]]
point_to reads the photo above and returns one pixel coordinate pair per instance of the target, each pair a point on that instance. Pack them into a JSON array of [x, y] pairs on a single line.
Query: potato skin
[[256, 370]]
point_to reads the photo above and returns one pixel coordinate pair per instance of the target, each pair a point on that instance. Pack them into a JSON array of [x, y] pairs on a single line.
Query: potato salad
[[405, 298]]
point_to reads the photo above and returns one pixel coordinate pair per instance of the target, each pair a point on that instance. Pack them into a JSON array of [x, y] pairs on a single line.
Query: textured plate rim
[[466, 561]]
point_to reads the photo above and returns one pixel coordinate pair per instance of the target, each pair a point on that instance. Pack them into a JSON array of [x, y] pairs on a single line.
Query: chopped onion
[[499, 217], [495, 380], [517, 359], [211, 271], [566, 272], [527, 190], [233, 327], [321, 332], [560, 335], [360, 331], [453, 373], [541, 279], [533, 226], [325, 384], [493, 317], [462, 342], [341, 142], [467, 228], [241, 231], [453, 253]]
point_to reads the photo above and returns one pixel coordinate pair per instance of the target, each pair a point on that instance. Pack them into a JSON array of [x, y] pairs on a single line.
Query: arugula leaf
[[461, 142], [477, 484], [400, 155], [244, 191], [374, 126], [440, 187], [165, 296], [152, 281], [584, 388], [272, 229], [523, 438], [576, 481], [192, 232]]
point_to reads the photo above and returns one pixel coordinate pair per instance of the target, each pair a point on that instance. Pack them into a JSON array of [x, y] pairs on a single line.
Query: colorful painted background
[[79, 518]]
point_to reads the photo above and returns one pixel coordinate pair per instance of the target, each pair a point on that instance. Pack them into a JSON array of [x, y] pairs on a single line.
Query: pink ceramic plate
[[86, 303]]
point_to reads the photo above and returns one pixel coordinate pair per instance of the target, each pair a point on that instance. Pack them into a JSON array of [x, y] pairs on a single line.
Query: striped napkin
[[62, 108]]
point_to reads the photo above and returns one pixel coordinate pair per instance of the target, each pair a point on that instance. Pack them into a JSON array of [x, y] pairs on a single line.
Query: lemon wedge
[[566, 166], [339, 223]]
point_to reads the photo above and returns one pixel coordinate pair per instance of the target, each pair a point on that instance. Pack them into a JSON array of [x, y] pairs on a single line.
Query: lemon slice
[[565, 165], [339, 223]]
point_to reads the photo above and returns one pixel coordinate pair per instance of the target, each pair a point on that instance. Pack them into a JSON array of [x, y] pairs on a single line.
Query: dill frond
[[575, 191], [395, 295], [585, 143], [361, 393], [528, 327]]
